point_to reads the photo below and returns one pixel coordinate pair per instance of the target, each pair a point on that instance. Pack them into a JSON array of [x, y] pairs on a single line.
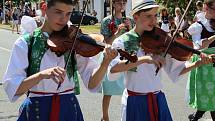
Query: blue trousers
[[137, 108], [39, 108]]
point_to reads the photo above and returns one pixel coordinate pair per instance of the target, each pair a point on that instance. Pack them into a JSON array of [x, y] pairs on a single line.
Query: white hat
[[138, 5]]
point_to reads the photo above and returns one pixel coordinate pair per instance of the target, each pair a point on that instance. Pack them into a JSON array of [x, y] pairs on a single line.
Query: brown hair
[[209, 2], [199, 3], [119, 1], [51, 3], [162, 11]]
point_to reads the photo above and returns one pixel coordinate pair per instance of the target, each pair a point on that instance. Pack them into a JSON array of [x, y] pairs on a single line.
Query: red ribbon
[[55, 111], [151, 101]]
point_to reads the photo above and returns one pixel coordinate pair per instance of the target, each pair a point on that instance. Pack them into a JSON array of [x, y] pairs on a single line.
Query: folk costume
[[108, 28], [30, 55], [144, 95], [201, 84], [143, 99]]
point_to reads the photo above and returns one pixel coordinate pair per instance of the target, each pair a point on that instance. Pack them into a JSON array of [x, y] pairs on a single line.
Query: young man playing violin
[[145, 101], [113, 26], [201, 97], [35, 69]]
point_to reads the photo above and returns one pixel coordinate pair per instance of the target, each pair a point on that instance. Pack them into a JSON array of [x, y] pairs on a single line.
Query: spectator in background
[[165, 20], [7, 15], [1, 15], [40, 14], [26, 9], [94, 13], [112, 27], [29, 24], [201, 83], [15, 19], [172, 25], [178, 17], [33, 13], [200, 14]]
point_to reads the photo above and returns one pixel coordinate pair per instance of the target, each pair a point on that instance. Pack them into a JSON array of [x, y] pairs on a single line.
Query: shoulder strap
[[201, 24], [30, 40]]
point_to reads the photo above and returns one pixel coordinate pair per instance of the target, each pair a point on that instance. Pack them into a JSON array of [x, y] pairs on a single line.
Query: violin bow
[[75, 40], [111, 10], [174, 35]]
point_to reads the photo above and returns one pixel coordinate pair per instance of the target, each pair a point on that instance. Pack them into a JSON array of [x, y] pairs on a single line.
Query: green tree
[[171, 4]]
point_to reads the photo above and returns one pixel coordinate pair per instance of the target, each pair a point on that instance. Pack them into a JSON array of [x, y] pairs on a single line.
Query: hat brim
[[145, 7]]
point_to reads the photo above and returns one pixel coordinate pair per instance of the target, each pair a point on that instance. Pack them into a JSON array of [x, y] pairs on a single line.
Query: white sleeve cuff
[[11, 87], [113, 76]]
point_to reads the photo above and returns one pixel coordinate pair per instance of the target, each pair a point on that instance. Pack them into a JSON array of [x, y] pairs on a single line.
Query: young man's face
[[210, 10], [146, 20], [58, 15]]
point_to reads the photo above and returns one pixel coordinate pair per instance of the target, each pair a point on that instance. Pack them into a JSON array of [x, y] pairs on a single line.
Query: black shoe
[[191, 117], [196, 116]]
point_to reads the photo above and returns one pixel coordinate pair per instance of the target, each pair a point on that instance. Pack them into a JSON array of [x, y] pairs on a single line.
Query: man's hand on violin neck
[[206, 59], [109, 54], [157, 60]]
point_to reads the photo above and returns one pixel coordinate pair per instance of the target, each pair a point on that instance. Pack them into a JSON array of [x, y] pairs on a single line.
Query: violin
[[157, 40], [87, 45]]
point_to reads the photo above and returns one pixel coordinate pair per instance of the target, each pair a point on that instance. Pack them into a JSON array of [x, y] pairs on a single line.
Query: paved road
[[91, 103]]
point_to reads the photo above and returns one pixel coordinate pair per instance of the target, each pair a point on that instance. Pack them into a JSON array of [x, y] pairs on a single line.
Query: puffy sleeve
[[15, 72], [195, 31], [86, 67], [118, 44], [28, 25], [173, 68], [105, 31]]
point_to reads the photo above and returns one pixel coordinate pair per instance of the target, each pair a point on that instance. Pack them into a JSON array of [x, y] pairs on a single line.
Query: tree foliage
[[172, 4]]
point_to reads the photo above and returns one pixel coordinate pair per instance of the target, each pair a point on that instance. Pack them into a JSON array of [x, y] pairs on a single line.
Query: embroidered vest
[[131, 42], [205, 34], [37, 46]]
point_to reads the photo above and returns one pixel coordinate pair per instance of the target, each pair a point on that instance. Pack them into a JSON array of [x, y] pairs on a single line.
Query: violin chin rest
[[98, 37]]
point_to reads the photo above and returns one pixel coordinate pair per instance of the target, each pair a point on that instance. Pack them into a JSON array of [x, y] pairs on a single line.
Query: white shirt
[[18, 63], [195, 31], [145, 80], [200, 15], [177, 22]]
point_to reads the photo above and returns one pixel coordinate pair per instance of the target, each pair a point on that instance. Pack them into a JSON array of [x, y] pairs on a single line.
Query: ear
[[205, 7], [44, 7], [135, 16]]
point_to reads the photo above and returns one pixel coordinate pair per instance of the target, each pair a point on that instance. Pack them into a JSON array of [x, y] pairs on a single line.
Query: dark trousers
[[199, 114]]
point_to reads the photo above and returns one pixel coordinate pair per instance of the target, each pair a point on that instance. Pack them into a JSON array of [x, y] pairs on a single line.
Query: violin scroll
[[125, 55]]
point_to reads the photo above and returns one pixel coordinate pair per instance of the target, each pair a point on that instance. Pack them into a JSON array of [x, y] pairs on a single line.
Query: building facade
[[102, 7]]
